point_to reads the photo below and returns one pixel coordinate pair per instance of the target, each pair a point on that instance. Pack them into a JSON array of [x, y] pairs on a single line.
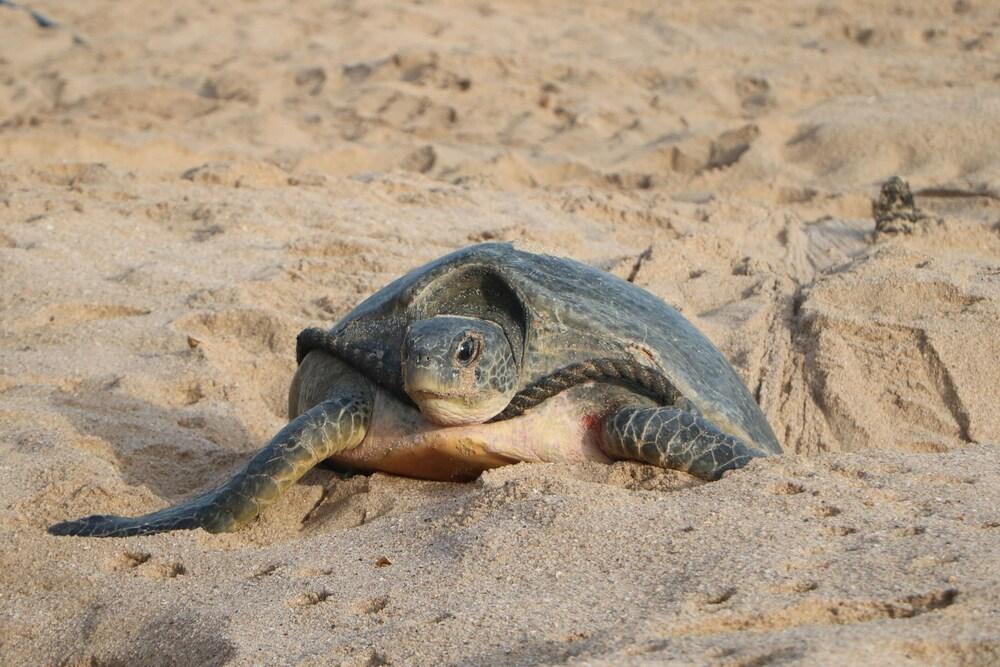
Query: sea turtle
[[487, 356]]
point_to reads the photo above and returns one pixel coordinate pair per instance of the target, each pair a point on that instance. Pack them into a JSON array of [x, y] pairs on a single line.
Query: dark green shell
[[556, 312]]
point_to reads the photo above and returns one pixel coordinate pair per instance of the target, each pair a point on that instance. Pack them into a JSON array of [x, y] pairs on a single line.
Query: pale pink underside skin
[[402, 441]]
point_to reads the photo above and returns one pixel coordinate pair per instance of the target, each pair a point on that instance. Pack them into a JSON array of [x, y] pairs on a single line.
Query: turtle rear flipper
[[671, 437], [332, 426]]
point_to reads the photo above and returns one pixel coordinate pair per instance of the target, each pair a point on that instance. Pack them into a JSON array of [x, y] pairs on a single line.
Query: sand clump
[[184, 187]]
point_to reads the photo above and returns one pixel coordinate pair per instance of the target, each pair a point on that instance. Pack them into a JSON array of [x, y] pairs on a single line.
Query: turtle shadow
[[542, 651], [173, 451], [187, 638]]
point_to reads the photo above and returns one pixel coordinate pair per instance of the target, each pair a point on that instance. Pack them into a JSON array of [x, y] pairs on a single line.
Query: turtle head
[[458, 370]]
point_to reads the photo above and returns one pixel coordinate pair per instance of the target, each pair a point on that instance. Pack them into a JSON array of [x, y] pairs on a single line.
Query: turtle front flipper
[[672, 437], [332, 426]]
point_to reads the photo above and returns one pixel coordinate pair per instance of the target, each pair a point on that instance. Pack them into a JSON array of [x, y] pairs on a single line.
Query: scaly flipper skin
[[671, 437], [332, 426]]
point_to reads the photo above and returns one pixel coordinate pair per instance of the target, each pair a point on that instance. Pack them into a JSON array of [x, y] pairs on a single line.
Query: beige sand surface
[[190, 183]]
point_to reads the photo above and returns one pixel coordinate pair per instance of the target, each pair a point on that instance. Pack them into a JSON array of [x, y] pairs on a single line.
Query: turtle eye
[[468, 350]]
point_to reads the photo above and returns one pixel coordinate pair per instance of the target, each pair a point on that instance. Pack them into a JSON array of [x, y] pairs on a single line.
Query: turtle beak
[[424, 381]]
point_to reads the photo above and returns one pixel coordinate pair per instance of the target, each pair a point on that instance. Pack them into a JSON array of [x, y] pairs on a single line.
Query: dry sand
[[190, 183]]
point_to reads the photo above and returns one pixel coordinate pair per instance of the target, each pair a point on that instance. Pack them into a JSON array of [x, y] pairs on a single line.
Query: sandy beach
[[185, 186]]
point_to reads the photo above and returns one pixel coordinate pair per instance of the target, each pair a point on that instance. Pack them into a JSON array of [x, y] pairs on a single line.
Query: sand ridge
[[187, 186]]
